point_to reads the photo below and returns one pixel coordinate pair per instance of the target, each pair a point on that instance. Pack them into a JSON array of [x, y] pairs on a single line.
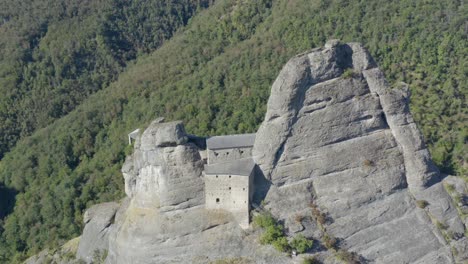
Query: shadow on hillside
[[7, 201]]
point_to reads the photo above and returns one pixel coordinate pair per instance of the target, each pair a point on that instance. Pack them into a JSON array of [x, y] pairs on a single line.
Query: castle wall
[[229, 193], [229, 154]]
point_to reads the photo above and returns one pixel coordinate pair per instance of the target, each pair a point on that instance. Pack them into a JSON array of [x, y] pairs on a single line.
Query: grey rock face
[[349, 142], [164, 172], [95, 237], [334, 134], [164, 220]]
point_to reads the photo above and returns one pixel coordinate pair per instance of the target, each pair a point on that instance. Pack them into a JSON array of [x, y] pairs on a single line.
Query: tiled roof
[[242, 167], [231, 141]]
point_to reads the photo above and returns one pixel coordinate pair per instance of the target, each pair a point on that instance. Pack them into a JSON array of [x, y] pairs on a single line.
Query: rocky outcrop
[[63, 255], [164, 170], [163, 220], [336, 133], [336, 139], [98, 224]]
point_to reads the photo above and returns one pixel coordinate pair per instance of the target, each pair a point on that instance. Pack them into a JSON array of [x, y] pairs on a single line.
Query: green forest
[[77, 76]]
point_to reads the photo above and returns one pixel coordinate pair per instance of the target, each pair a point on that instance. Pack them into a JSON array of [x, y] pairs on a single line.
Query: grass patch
[[450, 188], [348, 73], [441, 225]]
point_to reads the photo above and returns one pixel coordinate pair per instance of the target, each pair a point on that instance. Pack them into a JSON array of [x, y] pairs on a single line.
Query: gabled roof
[[242, 167], [231, 141], [134, 133]]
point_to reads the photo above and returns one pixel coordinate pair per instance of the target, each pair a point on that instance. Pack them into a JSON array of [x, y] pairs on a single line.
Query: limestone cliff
[[335, 138]]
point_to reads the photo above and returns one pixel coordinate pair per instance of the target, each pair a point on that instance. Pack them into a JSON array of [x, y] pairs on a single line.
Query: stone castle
[[346, 143], [229, 175], [228, 172]]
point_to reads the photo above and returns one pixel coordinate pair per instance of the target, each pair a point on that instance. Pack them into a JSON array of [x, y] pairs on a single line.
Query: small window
[[243, 189], [216, 154], [245, 201], [229, 176], [242, 152], [217, 200], [216, 176], [229, 188]]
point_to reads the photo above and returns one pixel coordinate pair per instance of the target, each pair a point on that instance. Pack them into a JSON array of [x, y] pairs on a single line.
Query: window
[[216, 176], [242, 152], [243, 189], [229, 176], [229, 188], [216, 154], [217, 200]]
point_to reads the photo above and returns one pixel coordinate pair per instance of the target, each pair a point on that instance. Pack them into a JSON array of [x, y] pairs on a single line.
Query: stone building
[[229, 186], [229, 148], [229, 175]]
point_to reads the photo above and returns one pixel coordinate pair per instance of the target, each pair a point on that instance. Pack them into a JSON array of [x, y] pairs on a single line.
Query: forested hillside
[[214, 74], [54, 54]]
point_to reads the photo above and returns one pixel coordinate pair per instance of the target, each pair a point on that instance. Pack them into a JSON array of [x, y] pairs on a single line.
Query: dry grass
[[299, 218], [422, 204], [319, 216], [239, 260], [330, 242], [347, 257], [440, 225], [368, 163]]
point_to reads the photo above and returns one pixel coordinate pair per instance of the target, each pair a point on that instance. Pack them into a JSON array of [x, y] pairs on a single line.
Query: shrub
[[301, 244], [422, 204], [264, 220], [347, 257], [311, 260], [281, 244], [271, 234]]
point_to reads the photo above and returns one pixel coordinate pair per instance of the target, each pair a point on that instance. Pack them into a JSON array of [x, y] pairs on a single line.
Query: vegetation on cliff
[[70, 91]]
